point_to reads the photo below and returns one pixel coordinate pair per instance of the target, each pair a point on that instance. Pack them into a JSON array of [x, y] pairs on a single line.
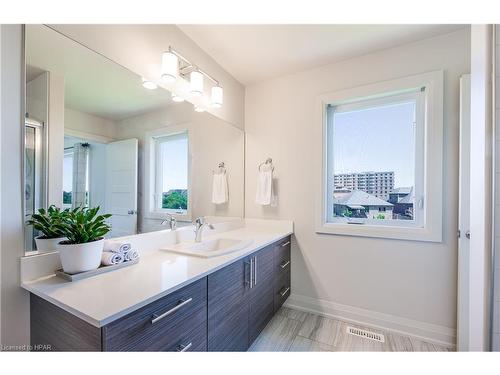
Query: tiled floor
[[296, 331]]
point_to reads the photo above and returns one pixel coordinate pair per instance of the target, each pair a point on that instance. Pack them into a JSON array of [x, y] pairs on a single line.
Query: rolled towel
[[109, 258], [116, 246], [131, 254]]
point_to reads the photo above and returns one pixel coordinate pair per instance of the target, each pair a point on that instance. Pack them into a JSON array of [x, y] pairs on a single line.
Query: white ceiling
[[253, 53], [92, 83]]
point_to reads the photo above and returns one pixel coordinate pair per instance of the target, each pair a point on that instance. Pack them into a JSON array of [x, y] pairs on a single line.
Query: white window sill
[[380, 231]]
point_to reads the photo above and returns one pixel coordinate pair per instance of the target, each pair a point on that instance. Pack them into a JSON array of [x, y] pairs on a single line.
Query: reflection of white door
[[463, 295], [121, 186]]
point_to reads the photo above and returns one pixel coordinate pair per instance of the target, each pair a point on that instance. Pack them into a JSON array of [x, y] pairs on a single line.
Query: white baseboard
[[429, 332]]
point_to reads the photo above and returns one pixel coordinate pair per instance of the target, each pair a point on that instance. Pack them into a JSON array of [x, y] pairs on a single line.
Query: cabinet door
[[228, 308], [261, 307]]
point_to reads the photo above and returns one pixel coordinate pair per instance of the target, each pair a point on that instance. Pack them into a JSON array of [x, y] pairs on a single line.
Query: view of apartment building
[[379, 184]]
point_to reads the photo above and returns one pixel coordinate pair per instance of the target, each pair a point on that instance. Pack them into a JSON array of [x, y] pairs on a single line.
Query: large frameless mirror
[[97, 134]]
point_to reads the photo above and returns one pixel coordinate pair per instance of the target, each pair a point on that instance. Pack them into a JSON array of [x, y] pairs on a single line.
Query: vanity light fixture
[[175, 65], [176, 98], [150, 85], [217, 96], [169, 66], [196, 83]]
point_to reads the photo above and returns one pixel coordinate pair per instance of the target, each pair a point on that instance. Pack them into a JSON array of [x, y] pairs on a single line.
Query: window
[[379, 140], [381, 143], [68, 177], [171, 173]]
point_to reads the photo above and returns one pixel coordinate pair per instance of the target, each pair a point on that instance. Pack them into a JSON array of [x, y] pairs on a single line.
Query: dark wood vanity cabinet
[[224, 311], [282, 264], [227, 307], [261, 308]]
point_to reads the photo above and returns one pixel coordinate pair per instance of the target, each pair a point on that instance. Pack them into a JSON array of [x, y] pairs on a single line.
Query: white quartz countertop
[[102, 299]]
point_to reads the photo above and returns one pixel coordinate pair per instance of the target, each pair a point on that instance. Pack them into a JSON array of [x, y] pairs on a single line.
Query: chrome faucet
[[199, 224], [171, 221]]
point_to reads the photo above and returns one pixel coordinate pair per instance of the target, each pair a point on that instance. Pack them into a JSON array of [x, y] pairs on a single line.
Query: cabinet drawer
[[190, 340], [162, 324], [282, 289], [282, 259]]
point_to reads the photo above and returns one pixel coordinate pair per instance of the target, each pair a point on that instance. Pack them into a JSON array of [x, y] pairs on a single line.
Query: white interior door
[[463, 294], [121, 186]]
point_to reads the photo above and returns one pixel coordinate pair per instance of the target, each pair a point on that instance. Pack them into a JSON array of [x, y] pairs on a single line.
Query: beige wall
[[139, 48], [212, 140], [408, 280]]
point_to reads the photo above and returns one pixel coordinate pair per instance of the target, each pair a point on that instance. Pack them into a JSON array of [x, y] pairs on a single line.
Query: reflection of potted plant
[[85, 232], [48, 222]]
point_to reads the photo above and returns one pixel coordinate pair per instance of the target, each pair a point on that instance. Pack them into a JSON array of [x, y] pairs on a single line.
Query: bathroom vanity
[[200, 304]]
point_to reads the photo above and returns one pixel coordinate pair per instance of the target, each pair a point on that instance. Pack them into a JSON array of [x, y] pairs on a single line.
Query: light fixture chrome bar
[[190, 64]]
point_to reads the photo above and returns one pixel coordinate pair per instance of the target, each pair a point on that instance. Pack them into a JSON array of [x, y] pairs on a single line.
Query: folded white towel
[[265, 193], [131, 254], [116, 246], [219, 189], [109, 258]]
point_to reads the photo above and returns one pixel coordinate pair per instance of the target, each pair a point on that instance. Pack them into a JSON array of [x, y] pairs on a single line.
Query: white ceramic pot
[[80, 257], [44, 245]]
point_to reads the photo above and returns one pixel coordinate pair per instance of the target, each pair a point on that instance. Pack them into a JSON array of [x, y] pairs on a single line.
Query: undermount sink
[[209, 248]]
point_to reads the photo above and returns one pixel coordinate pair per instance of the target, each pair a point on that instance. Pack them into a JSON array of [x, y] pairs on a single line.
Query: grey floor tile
[[292, 330], [320, 329], [292, 314], [277, 336], [301, 344]]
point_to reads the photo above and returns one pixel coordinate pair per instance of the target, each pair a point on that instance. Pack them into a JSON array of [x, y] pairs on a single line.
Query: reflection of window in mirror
[[171, 174]]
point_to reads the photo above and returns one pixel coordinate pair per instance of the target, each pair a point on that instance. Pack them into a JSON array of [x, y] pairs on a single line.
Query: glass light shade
[[149, 85], [199, 109], [217, 96], [169, 66], [196, 83], [176, 98]]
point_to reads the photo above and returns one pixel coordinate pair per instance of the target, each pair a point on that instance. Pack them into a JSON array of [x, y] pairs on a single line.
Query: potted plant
[[48, 222], [84, 230]]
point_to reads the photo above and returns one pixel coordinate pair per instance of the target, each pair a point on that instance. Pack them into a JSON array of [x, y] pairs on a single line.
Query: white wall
[[139, 48], [56, 138], [496, 197], [14, 300], [212, 140], [37, 98], [413, 283], [81, 123]]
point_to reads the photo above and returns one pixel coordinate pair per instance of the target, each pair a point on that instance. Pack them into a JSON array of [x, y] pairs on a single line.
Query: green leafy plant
[[49, 222], [83, 225]]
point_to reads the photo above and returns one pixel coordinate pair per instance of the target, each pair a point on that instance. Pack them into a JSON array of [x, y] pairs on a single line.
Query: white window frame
[[151, 178], [428, 189]]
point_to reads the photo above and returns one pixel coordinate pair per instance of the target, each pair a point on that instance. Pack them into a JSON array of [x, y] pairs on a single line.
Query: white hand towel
[[131, 255], [116, 246], [265, 195], [220, 192], [108, 258]]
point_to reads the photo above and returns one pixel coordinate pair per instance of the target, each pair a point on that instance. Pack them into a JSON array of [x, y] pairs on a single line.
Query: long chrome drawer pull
[[285, 264], [184, 348], [246, 281], [255, 271], [285, 244], [172, 310], [282, 294], [251, 273]]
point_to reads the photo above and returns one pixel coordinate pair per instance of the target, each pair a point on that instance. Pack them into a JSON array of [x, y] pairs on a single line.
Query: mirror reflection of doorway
[[34, 191]]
